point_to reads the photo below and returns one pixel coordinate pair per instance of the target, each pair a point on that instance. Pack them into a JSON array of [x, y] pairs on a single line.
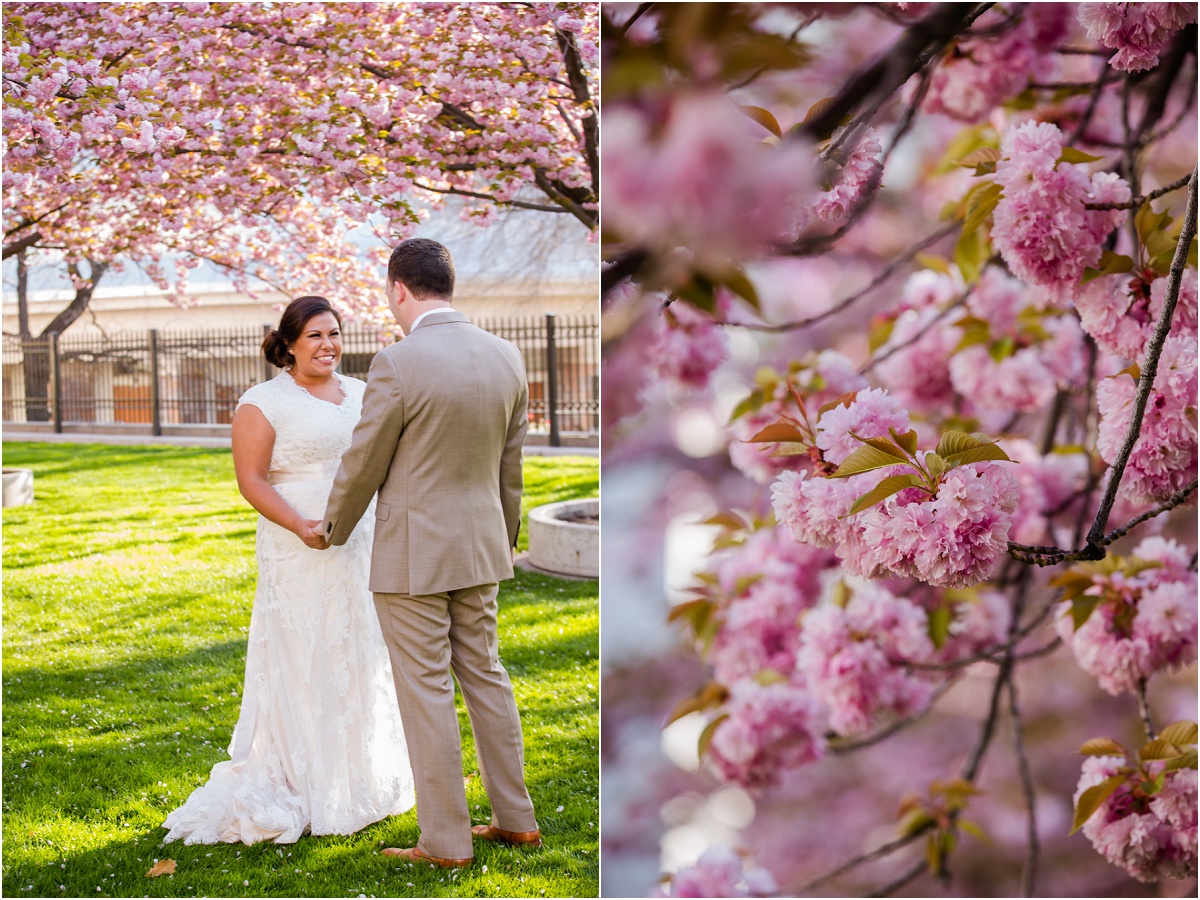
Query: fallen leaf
[[164, 867]]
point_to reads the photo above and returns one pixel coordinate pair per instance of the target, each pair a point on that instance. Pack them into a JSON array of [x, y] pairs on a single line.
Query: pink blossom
[[1041, 226], [1150, 839], [953, 540], [720, 872], [769, 729], [1139, 32], [853, 179], [1142, 624], [697, 175], [853, 657], [815, 511], [977, 75], [1164, 455], [689, 347], [869, 415]]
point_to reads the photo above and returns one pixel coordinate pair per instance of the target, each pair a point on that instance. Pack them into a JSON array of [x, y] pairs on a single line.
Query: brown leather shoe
[[414, 854], [520, 838]]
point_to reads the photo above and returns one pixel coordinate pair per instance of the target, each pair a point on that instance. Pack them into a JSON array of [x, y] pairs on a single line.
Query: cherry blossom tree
[[259, 136], [901, 303]]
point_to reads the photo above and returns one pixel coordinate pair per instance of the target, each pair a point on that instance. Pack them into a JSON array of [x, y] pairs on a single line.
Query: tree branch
[[1144, 710], [1029, 870], [1149, 370], [1052, 556], [1138, 201], [890, 270], [873, 362]]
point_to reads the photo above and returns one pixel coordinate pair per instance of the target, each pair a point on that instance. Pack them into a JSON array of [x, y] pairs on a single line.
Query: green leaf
[[975, 831], [1071, 155], [1102, 746], [939, 625], [906, 442], [882, 444], [975, 331], [764, 118], [890, 485], [727, 519], [915, 822], [841, 594], [779, 431], [1110, 264], [977, 454], [866, 459], [1002, 349], [1159, 749], [710, 697], [817, 110], [768, 677], [753, 402], [844, 400], [1082, 608], [971, 253], [935, 465], [1091, 799], [1133, 370], [1186, 761], [879, 332], [930, 261], [980, 205], [1147, 221], [978, 156], [706, 735], [952, 442], [736, 281], [1179, 733], [967, 140]]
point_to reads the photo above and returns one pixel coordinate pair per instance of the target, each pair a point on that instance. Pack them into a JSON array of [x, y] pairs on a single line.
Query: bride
[[318, 747]]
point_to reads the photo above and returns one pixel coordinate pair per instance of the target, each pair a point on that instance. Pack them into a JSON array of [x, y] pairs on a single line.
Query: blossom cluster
[[1139, 32], [1042, 227], [720, 872], [1140, 619], [1151, 838]]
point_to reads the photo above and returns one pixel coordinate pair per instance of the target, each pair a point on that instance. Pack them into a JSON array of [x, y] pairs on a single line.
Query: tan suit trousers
[[429, 637]]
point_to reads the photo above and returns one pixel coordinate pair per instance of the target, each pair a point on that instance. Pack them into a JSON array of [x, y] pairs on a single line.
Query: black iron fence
[[171, 380]]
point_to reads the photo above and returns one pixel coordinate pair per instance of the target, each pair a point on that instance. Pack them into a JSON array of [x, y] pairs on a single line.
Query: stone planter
[[18, 487], [564, 538]]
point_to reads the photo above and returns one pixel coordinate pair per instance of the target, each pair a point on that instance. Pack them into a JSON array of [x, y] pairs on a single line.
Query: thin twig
[[1138, 201], [877, 853], [892, 886], [898, 725], [1144, 710], [1086, 119], [1029, 870], [1052, 556], [890, 270], [872, 363]]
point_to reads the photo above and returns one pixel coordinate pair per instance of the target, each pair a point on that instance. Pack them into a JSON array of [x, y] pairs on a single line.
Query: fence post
[[552, 381], [155, 396], [55, 385]]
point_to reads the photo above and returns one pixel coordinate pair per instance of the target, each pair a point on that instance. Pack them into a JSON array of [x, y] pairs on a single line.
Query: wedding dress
[[319, 745]]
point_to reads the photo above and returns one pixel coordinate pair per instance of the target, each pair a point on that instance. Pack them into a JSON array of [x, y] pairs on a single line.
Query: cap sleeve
[[265, 398]]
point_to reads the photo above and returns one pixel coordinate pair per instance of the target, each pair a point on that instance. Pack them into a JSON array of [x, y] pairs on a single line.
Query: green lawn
[[128, 585]]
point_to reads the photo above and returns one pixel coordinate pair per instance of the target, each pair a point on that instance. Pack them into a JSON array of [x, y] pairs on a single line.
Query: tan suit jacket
[[443, 422]]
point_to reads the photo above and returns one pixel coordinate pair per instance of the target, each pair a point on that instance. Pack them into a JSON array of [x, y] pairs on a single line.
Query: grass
[[128, 585]]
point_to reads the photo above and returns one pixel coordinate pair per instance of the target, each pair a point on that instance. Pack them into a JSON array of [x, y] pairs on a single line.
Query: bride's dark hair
[[291, 326]]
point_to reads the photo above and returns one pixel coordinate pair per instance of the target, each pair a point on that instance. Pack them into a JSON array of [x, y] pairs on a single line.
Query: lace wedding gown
[[319, 745]]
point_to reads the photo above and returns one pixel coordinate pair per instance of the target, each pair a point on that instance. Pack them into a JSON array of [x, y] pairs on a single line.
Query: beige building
[[141, 308]]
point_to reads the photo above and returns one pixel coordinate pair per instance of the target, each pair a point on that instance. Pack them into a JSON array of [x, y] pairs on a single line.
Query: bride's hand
[[308, 530]]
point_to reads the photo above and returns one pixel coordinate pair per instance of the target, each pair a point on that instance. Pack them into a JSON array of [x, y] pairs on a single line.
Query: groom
[[443, 423]]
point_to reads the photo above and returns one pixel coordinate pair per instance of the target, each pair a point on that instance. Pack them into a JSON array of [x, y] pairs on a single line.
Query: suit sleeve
[[365, 465], [511, 479]]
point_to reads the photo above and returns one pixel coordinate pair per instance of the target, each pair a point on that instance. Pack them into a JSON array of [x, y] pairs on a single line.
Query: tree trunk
[[35, 356]]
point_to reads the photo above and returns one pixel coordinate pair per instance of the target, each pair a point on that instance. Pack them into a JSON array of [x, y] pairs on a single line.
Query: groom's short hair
[[424, 267]]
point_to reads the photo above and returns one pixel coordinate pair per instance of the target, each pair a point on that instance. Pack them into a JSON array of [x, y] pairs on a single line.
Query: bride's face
[[318, 348]]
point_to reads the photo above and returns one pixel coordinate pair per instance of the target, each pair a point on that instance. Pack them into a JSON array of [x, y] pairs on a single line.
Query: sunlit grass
[[127, 593]]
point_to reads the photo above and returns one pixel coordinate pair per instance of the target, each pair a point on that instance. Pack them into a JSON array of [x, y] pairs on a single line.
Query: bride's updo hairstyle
[[291, 326]]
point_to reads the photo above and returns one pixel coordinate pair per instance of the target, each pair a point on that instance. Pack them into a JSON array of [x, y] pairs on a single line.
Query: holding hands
[[312, 533]]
